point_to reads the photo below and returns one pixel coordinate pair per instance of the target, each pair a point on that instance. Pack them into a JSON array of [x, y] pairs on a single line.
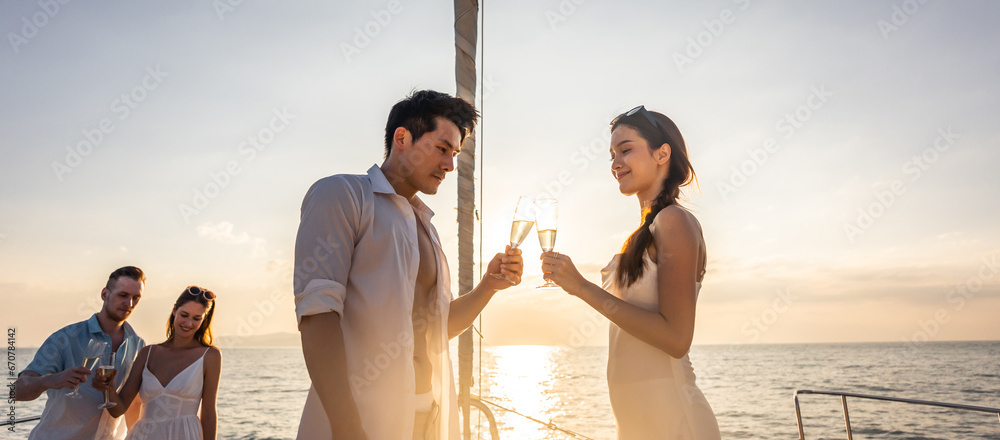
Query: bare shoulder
[[674, 229], [140, 357], [677, 232], [674, 220], [213, 361]]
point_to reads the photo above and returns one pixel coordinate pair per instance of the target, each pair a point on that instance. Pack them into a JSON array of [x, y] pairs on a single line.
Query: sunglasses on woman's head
[[642, 110], [195, 291]]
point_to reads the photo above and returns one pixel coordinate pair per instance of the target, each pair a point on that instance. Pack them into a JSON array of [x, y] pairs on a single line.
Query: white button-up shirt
[[356, 254]]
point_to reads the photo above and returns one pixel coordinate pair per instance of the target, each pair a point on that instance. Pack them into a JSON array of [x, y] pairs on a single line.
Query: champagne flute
[[524, 219], [90, 357], [107, 370], [546, 219]]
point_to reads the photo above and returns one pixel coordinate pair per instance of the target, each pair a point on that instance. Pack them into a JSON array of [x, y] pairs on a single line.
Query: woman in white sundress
[[175, 378], [650, 290]]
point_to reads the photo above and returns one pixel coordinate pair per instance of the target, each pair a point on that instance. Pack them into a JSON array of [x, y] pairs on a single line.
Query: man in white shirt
[[58, 365], [373, 291]]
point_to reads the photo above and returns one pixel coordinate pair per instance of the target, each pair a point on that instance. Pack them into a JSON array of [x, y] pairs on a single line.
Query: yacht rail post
[[485, 410], [847, 418], [798, 415]]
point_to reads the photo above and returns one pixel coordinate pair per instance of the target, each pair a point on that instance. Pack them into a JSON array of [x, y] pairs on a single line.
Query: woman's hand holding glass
[[102, 383], [107, 371], [559, 269]]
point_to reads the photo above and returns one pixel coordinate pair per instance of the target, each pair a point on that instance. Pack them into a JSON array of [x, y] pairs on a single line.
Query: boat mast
[[466, 38]]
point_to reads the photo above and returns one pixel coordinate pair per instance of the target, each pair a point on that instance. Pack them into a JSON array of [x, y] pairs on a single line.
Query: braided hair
[[680, 173]]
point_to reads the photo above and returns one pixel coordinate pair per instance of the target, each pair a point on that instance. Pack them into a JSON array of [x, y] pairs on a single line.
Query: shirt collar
[[380, 184], [94, 327], [421, 208]]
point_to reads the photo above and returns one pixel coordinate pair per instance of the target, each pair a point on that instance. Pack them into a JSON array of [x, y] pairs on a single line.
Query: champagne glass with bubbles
[[90, 358], [107, 370], [524, 219], [546, 219]]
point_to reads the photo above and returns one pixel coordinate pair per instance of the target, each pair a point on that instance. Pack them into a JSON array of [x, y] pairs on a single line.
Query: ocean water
[[749, 386]]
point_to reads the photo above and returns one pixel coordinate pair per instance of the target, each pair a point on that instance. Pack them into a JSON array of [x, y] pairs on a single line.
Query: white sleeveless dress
[[653, 395], [170, 412]]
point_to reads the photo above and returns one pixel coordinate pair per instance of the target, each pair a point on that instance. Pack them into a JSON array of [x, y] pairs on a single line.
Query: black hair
[[418, 114], [679, 173]]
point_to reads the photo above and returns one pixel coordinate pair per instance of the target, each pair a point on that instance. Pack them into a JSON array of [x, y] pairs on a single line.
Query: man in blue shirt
[[58, 364]]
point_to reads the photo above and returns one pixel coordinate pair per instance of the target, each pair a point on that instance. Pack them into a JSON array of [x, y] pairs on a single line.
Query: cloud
[[278, 264], [223, 232]]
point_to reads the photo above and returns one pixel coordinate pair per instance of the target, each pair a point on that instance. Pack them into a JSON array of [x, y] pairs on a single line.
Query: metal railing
[[19, 421], [847, 417], [474, 401], [548, 425], [477, 402]]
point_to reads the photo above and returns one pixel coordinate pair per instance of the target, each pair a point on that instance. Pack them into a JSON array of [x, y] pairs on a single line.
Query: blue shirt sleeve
[[51, 356]]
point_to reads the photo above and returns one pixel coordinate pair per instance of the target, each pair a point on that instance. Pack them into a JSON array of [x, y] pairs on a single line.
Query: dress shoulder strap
[[149, 354]]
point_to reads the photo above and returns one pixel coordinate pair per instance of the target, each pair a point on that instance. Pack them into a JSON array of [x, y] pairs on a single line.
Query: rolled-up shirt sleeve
[[48, 358], [328, 232]]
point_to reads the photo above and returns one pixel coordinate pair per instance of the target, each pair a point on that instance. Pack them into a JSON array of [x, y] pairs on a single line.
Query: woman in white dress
[[176, 377], [650, 289]]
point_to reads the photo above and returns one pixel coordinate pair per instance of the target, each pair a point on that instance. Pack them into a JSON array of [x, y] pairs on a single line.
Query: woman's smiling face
[[188, 318], [633, 164]]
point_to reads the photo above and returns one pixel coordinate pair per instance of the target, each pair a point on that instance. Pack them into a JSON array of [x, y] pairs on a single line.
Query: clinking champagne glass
[[524, 219], [546, 220], [107, 370], [90, 357]]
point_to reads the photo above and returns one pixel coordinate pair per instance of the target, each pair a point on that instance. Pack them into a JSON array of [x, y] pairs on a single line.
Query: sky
[[846, 154]]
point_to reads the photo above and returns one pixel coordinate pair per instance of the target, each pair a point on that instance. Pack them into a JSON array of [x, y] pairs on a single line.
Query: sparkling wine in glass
[[107, 370], [524, 219], [546, 220], [90, 357]]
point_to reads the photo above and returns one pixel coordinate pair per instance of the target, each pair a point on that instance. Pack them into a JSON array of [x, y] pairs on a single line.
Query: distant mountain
[[266, 340]]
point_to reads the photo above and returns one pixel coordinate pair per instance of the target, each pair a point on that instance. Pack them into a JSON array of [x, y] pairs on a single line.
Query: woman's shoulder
[[141, 356], [676, 219], [213, 353], [145, 350]]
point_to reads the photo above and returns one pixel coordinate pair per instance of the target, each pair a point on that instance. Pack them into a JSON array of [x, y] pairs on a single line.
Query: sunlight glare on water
[[522, 379]]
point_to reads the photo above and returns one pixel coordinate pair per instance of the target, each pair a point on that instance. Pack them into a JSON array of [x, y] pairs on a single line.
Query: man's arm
[[30, 385], [326, 361], [464, 309], [324, 247]]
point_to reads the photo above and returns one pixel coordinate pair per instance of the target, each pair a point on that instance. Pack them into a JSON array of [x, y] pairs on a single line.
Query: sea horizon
[[750, 389], [220, 345]]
